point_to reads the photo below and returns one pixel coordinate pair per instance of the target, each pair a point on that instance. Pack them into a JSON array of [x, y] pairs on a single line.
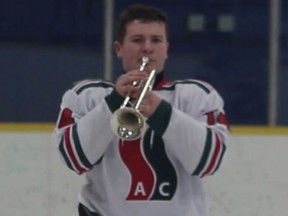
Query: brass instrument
[[127, 122]]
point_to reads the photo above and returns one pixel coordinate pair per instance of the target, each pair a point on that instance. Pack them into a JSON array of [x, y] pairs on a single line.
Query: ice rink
[[252, 182]]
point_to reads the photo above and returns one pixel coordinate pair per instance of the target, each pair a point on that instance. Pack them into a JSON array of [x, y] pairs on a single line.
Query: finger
[[132, 89], [145, 110], [136, 76], [125, 84]]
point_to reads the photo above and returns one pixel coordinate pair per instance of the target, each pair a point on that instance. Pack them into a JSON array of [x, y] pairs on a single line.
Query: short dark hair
[[144, 13]]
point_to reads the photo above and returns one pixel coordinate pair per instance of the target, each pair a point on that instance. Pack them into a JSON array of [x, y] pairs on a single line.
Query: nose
[[147, 46]]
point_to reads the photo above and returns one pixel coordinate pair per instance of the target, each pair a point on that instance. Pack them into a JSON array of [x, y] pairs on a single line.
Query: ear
[[117, 48]]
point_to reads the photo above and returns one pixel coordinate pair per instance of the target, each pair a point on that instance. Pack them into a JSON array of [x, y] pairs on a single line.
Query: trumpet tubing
[[127, 122]]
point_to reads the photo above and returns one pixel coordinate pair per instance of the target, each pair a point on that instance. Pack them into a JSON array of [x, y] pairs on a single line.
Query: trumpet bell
[[128, 123]]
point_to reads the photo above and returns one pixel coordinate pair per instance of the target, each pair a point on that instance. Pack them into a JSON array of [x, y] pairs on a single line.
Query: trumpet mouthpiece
[[144, 61]]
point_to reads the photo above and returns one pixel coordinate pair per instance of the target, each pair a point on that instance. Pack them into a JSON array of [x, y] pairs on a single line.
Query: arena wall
[[252, 181]]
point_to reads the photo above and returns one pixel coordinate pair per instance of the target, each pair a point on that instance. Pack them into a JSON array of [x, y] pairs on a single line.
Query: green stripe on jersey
[[160, 118], [63, 152], [94, 84], [205, 154], [220, 159], [78, 147], [193, 82]]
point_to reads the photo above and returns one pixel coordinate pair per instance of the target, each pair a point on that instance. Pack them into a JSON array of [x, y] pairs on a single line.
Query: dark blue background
[[45, 46]]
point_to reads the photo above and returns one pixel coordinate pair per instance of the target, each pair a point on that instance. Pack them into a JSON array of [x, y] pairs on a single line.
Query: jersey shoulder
[[89, 84], [189, 84]]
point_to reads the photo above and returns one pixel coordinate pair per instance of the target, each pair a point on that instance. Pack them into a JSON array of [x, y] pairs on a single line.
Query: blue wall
[[46, 47]]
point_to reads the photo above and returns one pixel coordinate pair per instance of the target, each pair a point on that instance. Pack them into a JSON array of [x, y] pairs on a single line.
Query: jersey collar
[[160, 80]]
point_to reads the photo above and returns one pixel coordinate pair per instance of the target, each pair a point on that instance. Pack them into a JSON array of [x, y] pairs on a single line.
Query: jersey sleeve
[[79, 137], [197, 130]]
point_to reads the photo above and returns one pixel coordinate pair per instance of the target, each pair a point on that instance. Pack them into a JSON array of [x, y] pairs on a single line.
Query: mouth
[[144, 60]]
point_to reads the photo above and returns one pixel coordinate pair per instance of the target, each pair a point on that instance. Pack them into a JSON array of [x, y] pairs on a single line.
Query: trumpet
[[127, 122]]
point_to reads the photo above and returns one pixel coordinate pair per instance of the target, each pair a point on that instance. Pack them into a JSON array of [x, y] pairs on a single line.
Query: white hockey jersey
[[158, 174]]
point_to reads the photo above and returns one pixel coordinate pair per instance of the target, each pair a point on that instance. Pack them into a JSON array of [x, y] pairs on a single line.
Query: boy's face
[[143, 39]]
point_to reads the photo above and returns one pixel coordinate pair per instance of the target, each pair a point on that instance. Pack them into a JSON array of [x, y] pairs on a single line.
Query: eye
[[137, 40], [157, 40]]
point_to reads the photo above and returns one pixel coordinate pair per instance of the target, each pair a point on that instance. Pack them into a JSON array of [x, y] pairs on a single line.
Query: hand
[[149, 104], [124, 82]]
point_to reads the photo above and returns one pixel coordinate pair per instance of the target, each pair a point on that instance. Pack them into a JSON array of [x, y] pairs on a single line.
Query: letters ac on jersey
[[145, 162]]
